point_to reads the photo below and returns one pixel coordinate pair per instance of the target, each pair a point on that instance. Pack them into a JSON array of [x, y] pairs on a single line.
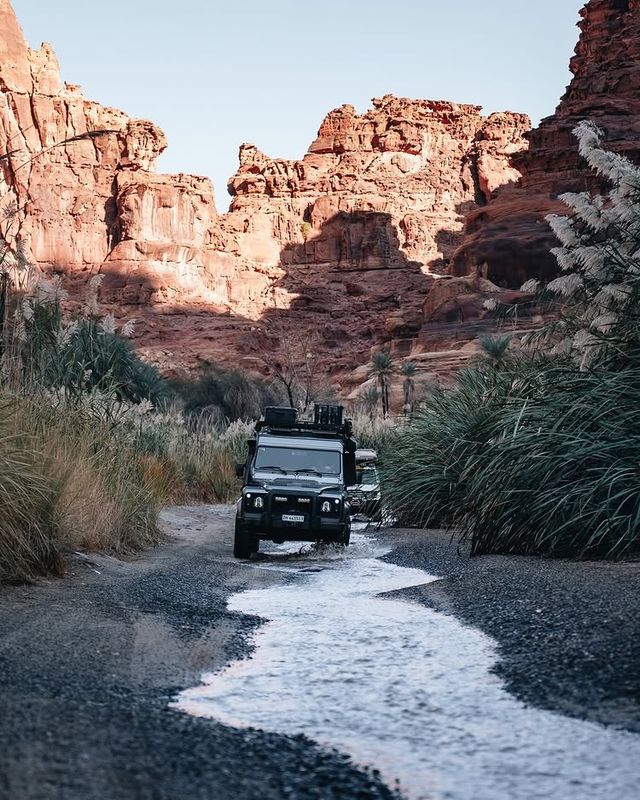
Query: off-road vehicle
[[295, 479], [365, 496]]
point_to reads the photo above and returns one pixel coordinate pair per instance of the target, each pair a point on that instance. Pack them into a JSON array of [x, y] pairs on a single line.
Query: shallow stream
[[402, 689]]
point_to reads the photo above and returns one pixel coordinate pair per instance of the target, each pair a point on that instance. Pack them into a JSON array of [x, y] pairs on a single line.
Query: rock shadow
[[350, 287]]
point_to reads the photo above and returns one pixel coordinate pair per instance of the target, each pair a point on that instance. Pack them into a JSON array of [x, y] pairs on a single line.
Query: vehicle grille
[[287, 503]]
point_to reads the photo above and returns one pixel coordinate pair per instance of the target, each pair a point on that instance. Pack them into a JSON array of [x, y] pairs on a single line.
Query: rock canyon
[[390, 231]]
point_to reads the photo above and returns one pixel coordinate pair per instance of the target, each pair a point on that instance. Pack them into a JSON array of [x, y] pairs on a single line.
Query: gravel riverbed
[[90, 664], [568, 632]]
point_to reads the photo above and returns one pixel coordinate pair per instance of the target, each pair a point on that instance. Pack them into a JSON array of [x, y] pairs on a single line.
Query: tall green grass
[[537, 458]]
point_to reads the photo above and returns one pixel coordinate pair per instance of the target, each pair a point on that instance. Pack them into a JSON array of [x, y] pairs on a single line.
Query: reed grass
[[538, 458]]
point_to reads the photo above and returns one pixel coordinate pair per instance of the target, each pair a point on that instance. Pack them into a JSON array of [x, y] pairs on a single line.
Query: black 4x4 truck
[[295, 480]]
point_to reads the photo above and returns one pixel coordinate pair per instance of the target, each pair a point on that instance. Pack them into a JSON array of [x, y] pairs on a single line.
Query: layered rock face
[[508, 240], [422, 163], [81, 176], [341, 246], [362, 224]]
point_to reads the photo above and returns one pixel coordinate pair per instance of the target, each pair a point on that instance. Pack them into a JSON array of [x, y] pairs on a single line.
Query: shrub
[[225, 395], [528, 461], [26, 546]]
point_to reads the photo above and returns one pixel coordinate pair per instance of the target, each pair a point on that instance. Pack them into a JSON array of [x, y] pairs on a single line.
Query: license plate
[[292, 518]]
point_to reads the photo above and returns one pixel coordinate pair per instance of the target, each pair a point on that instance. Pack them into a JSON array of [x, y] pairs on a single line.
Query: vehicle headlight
[[258, 502], [330, 506]]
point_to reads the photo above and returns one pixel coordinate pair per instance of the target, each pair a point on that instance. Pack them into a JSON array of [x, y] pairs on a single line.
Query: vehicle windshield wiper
[[272, 466], [312, 471]]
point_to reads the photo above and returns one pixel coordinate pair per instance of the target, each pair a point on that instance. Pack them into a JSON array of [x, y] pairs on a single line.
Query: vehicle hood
[[306, 485]]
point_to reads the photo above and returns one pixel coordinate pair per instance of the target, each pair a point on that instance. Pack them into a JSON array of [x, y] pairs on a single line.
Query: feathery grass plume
[[373, 432], [600, 250]]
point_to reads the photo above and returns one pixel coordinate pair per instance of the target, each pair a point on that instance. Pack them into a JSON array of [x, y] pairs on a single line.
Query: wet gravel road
[[568, 633], [89, 665]]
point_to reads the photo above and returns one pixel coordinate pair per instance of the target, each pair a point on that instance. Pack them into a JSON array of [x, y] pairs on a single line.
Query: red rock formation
[[423, 163], [508, 240], [341, 243]]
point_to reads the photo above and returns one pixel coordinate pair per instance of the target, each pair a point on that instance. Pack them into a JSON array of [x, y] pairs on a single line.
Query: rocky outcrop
[[507, 240], [81, 176], [423, 164], [342, 244]]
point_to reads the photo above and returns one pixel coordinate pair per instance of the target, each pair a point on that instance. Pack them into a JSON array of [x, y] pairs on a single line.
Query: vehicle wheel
[[346, 536], [244, 543]]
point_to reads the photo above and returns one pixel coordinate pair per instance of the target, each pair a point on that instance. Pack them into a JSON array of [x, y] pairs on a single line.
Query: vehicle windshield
[[298, 459], [366, 475]]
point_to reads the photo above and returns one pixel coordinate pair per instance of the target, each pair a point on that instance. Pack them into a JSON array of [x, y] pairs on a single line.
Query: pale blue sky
[[215, 74]]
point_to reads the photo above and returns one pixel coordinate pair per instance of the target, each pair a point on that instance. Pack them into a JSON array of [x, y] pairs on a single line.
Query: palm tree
[[382, 368], [369, 401], [408, 371], [495, 349]]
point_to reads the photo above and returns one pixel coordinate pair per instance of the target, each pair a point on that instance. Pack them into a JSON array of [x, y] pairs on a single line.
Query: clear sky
[[216, 73]]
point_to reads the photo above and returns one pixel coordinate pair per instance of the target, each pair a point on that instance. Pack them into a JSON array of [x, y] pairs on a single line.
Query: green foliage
[[529, 460], [408, 371], [495, 348], [221, 395], [538, 454], [382, 368], [81, 356], [99, 360]]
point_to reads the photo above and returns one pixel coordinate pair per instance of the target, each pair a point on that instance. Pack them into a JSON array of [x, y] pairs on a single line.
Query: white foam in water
[[406, 690]]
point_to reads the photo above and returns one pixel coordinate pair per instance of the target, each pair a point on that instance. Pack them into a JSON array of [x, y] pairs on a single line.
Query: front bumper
[[267, 525]]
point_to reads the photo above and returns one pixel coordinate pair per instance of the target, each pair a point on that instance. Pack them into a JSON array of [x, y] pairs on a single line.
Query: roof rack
[[328, 420]]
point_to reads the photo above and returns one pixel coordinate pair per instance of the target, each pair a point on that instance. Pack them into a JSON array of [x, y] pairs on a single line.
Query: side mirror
[[240, 470], [349, 464]]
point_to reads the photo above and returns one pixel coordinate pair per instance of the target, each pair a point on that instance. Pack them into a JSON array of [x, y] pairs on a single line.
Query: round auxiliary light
[[258, 502], [326, 507]]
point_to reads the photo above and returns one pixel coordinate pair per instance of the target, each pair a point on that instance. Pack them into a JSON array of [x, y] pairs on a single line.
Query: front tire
[[345, 538], [244, 543]]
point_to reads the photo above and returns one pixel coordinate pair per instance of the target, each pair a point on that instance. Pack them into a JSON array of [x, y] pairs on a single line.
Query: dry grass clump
[[193, 460], [26, 503], [372, 430], [67, 482]]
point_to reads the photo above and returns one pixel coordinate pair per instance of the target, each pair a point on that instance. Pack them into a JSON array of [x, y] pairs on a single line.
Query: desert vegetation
[[92, 439], [535, 451]]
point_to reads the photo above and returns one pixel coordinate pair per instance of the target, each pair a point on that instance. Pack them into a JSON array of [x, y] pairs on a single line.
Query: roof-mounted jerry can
[[295, 479]]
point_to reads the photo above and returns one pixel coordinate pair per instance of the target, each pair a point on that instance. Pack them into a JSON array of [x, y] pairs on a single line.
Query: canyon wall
[[507, 240], [341, 245]]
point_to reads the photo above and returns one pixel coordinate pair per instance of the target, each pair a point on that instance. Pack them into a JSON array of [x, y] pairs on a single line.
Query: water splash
[[403, 689]]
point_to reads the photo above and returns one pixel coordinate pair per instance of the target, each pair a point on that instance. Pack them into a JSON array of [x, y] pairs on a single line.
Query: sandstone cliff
[[340, 246], [508, 240]]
